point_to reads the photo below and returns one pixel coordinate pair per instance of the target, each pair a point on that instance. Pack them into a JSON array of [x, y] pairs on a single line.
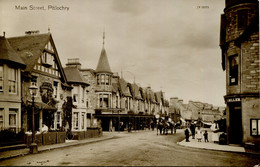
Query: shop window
[[255, 127], [1, 78], [233, 70], [12, 118], [12, 81], [242, 16], [1, 118]]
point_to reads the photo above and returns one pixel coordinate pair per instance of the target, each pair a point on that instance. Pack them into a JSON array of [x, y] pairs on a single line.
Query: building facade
[[43, 70], [239, 42], [11, 66]]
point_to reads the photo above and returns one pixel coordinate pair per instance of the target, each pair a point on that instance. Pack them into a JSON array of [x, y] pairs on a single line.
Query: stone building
[[239, 42], [194, 111], [79, 94], [10, 86], [115, 104], [44, 70]]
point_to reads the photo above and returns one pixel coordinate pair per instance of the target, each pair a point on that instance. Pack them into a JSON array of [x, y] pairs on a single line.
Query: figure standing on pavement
[[199, 137], [215, 128], [192, 129], [206, 136], [187, 134]]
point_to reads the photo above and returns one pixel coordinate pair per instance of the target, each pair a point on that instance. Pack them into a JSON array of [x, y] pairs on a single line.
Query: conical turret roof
[[103, 64]]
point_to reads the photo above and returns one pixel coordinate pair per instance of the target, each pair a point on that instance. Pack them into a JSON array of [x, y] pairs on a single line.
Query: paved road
[[135, 149]]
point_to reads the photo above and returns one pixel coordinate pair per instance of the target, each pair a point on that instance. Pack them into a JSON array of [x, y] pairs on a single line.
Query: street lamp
[[33, 147]]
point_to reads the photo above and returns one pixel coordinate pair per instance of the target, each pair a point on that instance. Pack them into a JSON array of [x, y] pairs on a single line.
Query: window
[[255, 127], [102, 79], [242, 19], [107, 80], [1, 118], [76, 120], [98, 79], [58, 120], [233, 70], [75, 97], [1, 78], [55, 84], [116, 101], [126, 103], [12, 118], [12, 74], [82, 121]]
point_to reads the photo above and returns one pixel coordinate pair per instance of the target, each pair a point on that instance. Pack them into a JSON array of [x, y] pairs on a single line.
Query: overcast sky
[[171, 45]]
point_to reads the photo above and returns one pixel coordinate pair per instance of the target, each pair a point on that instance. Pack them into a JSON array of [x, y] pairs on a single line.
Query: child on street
[[206, 136]]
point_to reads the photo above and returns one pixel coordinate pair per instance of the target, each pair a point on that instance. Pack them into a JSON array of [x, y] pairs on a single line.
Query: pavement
[[21, 152], [108, 135], [211, 145]]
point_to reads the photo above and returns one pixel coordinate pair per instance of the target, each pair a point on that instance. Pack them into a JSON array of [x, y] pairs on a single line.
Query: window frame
[[2, 111], [12, 86], [2, 78], [233, 70], [257, 126], [13, 111]]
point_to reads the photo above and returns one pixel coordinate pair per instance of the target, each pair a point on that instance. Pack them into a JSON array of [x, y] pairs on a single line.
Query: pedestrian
[[192, 129], [187, 134], [199, 137], [206, 136], [215, 128], [175, 127]]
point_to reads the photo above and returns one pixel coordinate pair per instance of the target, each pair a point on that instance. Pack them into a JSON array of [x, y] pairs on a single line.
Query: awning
[[42, 106]]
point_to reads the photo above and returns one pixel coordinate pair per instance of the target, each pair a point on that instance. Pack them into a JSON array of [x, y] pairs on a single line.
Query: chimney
[[4, 34], [74, 63], [32, 32]]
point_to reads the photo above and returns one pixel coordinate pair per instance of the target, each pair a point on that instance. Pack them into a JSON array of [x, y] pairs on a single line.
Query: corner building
[[239, 42]]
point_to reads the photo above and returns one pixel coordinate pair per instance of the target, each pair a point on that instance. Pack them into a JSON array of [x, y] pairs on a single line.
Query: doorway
[[235, 120]]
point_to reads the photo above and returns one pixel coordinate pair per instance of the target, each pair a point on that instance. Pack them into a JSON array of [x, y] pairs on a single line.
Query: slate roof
[[115, 87], [103, 64], [123, 87], [136, 91], [158, 96], [74, 76], [29, 48], [8, 54]]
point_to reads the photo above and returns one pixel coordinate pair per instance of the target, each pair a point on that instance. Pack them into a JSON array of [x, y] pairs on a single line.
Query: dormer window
[[47, 60]]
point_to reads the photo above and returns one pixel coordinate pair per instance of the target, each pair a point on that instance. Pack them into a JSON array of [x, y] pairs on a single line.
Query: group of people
[[198, 133]]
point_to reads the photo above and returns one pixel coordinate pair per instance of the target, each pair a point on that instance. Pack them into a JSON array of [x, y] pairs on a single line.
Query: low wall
[[90, 133], [46, 138]]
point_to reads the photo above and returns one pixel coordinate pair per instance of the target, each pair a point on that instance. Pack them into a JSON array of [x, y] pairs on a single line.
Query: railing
[[11, 136]]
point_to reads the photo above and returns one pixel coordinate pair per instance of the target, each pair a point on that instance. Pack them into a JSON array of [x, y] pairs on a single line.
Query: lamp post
[[33, 146]]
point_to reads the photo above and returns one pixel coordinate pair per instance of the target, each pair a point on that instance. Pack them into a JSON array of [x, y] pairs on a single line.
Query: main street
[[135, 149]]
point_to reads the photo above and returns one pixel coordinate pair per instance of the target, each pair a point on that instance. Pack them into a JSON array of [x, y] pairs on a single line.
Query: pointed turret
[[103, 64]]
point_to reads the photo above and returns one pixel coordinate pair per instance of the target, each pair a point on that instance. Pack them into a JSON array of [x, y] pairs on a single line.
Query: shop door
[[235, 119]]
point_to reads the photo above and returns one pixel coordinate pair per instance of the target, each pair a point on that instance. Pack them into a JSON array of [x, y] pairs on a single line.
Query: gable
[[39, 53]]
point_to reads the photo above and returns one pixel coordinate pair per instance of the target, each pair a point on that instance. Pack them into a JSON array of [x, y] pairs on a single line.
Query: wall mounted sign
[[237, 99]]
